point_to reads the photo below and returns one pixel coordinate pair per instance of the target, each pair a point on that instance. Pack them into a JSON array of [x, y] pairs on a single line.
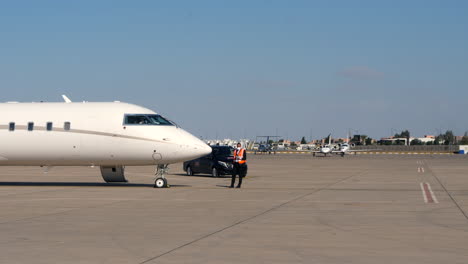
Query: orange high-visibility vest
[[239, 156]]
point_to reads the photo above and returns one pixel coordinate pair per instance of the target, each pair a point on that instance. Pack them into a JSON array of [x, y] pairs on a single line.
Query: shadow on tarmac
[[83, 184], [202, 175], [225, 186]]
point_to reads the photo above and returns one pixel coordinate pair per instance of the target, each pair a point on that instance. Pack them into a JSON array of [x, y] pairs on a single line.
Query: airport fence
[[415, 148]]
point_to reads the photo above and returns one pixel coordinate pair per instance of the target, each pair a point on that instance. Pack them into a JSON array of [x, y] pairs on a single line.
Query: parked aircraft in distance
[[111, 135], [324, 149], [346, 148], [340, 149]]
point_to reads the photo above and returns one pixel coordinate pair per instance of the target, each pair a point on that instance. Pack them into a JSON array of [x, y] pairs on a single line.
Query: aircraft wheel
[[189, 171], [214, 172], [160, 183]]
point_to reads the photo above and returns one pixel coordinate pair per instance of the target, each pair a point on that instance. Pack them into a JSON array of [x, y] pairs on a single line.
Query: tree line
[[447, 138]]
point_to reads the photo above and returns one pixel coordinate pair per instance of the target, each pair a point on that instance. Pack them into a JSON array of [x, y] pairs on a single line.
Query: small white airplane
[[324, 149], [343, 148], [111, 135], [346, 148]]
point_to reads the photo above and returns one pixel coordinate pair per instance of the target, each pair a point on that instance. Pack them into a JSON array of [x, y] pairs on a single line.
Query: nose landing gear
[[161, 181]]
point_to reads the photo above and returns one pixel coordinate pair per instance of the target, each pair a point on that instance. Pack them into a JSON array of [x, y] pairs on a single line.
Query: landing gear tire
[[161, 171], [214, 172], [189, 171], [160, 183]]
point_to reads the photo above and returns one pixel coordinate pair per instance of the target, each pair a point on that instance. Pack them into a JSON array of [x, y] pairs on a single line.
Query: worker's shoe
[[238, 186]]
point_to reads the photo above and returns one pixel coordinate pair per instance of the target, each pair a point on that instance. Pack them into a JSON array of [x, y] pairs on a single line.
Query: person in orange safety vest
[[240, 165]]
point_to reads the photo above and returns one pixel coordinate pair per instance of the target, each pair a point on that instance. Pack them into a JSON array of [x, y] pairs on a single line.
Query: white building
[[228, 142]]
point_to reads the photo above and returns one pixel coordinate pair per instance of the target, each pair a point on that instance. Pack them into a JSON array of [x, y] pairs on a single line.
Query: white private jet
[[324, 149], [340, 149], [110, 135], [346, 148]]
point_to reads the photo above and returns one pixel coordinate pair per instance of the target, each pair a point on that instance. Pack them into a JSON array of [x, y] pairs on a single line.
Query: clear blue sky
[[246, 68]]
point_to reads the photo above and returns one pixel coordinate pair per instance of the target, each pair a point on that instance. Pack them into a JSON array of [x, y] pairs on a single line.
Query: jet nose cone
[[202, 149], [194, 147]]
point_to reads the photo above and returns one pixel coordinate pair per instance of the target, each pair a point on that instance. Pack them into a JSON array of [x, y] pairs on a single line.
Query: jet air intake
[[113, 173]]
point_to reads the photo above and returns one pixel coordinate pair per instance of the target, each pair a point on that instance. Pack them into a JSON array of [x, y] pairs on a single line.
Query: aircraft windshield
[[146, 119]]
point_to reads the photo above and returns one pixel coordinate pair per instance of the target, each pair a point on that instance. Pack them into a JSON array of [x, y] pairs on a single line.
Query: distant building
[[229, 142], [394, 140], [426, 139]]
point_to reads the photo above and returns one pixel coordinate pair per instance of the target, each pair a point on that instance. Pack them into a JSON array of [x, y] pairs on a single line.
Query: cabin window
[[146, 119], [67, 126], [30, 126], [11, 127], [49, 126]]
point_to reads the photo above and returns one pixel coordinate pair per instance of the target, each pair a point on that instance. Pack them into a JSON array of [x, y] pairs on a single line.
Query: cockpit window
[[146, 119]]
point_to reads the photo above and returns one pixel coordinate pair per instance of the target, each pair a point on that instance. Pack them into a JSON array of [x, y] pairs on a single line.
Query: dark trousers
[[239, 169]]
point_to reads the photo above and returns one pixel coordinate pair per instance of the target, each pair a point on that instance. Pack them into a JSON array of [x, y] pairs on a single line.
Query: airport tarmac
[[291, 209]]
